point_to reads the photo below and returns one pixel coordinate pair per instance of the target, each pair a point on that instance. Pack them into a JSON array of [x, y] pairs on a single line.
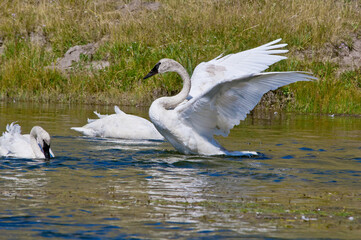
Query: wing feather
[[233, 66], [218, 110]]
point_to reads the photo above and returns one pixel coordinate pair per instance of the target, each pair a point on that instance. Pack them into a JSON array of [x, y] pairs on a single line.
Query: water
[[305, 184]]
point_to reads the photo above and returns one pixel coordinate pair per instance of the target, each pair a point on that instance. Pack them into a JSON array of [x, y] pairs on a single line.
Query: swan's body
[[219, 95], [33, 145], [120, 125]]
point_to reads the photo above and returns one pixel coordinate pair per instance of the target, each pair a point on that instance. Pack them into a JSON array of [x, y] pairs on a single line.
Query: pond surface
[[305, 184]]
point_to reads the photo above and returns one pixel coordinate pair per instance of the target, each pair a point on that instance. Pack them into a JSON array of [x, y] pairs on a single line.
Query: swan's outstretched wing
[[233, 66], [218, 110]]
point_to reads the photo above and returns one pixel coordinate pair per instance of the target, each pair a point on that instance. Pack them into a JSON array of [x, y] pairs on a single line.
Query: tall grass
[[188, 31]]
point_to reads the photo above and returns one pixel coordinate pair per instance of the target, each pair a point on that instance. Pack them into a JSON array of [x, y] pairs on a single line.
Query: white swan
[[120, 125], [33, 145], [220, 93]]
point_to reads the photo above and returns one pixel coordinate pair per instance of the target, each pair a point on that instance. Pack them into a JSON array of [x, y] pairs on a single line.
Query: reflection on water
[[304, 184]]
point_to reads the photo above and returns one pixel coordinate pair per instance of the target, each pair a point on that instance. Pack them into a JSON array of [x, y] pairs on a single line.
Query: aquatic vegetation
[[135, 36]]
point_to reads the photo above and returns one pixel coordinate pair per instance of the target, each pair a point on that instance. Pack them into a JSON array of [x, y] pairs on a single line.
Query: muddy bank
[[346, 54]]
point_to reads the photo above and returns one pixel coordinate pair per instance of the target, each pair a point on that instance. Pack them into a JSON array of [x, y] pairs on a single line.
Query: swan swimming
[[33, 145], [120, 125], [219, 95]]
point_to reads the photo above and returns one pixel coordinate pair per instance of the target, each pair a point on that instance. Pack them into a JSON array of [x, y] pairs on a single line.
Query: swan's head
[[164, 65], [42, 137]]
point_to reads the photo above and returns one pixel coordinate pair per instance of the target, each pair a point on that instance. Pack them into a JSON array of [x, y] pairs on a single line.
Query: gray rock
[[73, 56], [74, 53]]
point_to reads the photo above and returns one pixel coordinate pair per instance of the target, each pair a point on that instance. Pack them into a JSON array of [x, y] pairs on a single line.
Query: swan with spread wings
[[219, 95]]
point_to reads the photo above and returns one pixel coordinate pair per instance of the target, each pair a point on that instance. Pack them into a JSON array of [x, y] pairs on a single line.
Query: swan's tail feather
[[85, 131]]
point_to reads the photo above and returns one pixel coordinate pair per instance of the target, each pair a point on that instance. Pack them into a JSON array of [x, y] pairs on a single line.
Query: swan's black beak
[[152, 72], [46, 148]]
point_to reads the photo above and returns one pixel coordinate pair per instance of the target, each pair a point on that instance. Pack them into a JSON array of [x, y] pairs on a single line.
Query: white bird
[[33, 145], [219, 95], [120, 125]]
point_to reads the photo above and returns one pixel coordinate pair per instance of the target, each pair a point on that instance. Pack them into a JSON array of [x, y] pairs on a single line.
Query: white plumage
[[120, 125], [219, 95], [33, 145]]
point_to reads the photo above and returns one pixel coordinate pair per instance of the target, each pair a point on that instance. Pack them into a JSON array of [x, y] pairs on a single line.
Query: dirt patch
[[276, 100], [38, 37], [347, 54], [350, 56], [137, 5]]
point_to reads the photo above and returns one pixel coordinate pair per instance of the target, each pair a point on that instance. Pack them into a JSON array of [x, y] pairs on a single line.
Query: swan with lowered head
[[219, 95], [33, 145], [120, 125]]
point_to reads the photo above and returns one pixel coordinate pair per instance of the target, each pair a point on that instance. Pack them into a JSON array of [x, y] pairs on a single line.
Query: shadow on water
[[304, 184]]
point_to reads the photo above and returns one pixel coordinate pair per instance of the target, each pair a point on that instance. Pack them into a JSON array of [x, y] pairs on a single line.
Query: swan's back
[[120, 125], [13, 144], [125, 126]]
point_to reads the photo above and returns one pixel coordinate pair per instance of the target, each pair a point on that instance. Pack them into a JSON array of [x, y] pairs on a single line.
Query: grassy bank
[[132, 38]]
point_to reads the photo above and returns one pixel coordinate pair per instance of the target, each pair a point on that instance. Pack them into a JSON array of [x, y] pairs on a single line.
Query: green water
[[305, 184]]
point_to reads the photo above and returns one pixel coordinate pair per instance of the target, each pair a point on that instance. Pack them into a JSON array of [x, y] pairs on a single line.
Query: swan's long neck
[[172, 102], [34, 133]]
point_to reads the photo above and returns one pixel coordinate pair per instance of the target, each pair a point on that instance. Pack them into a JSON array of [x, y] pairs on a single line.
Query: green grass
[[187, 31], [333, 93]]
